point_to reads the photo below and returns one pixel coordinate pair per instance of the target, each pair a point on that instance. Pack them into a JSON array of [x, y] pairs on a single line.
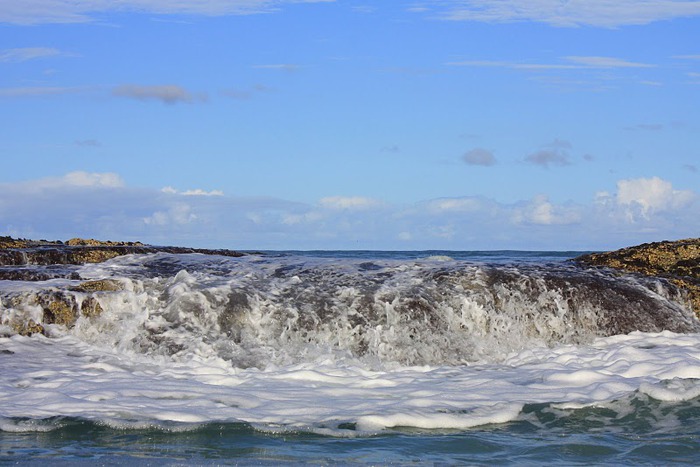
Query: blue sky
[[450, 124]]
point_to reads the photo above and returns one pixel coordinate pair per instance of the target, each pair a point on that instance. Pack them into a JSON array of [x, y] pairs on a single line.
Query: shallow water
[[353, 357]]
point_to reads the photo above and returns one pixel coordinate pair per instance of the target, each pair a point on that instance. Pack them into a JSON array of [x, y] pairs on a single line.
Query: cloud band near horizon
[[102, 205]]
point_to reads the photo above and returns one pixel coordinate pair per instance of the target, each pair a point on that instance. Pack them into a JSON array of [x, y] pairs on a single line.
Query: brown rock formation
[[93, 242], [9, 242], [678, 261]]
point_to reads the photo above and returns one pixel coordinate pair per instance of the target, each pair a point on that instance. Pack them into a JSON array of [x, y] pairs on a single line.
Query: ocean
[[348, 358]]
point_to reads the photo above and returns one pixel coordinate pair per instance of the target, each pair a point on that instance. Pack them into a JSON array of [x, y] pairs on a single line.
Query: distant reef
[[19, 251], [677, 261]]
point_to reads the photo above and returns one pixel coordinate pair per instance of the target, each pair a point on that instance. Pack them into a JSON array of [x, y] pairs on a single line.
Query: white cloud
[[70, 181], [179, 213], [199, 192], [466, 204], [541, 211], [194, 192], [573, 13], [105, 180], [652, 195], [72, 11]]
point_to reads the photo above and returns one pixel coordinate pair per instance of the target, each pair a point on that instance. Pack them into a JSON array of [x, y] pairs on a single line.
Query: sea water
[[352, 358]]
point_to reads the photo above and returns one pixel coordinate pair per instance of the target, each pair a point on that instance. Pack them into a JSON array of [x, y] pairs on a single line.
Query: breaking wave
[[258, 311]]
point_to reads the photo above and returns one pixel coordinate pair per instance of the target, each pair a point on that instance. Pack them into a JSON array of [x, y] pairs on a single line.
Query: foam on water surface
[[64, 377]]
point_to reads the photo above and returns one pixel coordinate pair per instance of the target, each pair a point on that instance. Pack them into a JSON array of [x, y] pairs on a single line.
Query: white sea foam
[[64, 376], [347, 348]]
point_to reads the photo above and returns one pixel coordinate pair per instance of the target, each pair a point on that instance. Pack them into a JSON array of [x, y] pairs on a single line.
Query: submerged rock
[[677, 261]]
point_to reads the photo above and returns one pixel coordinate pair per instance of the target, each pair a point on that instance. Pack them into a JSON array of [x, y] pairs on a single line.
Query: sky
[[343, 124]]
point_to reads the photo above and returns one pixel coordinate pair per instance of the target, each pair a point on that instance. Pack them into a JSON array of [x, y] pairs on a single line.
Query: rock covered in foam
[[64, 307]]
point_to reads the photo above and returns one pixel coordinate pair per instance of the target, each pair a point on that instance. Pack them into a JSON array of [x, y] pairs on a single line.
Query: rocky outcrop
[[18, 252], [9, 242], [678, 261], [30, 313], [93, 242]]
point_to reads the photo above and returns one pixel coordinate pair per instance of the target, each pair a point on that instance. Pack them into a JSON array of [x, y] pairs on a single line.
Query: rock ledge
[[678, 261]]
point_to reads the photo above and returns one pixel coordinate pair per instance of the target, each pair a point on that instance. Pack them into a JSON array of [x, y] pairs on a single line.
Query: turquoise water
[[369, 358]]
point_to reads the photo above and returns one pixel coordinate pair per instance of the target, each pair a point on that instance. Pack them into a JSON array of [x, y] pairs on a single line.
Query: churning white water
[[343, 347]]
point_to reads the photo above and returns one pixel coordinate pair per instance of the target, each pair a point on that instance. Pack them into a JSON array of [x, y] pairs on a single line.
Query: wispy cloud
[[393, 148], [38, 91], [245, 94], [597, 13], [288, 67], [71, 11], [548, 157], [646, 127], [71, 180], [192, 192], [28, 53], [479, 156], [605, 62], [555, 153], [168, 94], [87, 143], [462, 204], [572, 62], [349, 202]]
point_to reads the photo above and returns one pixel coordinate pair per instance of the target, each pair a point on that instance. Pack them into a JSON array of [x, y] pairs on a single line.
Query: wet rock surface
[[678, 261]]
